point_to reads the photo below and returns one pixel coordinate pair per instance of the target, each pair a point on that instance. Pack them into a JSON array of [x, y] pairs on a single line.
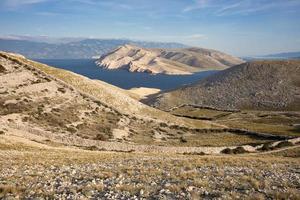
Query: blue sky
[[245, 27]]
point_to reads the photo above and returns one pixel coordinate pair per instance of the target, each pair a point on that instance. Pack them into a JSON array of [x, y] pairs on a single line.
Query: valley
[[57, 125], [44, 101], [149, 100]]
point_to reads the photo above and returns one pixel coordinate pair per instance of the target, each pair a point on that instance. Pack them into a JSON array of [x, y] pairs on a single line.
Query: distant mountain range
[[167, 61], [284, 55], [70, 48], [277, 56]]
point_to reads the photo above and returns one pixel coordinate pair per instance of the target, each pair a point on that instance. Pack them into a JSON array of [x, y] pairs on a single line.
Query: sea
[[124, 79]]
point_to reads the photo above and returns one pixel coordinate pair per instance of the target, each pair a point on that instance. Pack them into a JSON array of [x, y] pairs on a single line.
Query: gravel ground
[[78, 174]]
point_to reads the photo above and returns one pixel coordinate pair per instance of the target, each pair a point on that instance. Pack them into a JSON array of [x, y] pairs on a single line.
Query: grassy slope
[[278, 123]]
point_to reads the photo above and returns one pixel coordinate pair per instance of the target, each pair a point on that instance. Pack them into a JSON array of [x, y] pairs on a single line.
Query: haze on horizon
[[242, 28]]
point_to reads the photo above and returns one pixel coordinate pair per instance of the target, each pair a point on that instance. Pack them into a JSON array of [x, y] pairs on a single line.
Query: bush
[[72, 129], [194, 153], [92, 148], [62, 90], [101, 137], [183, 140], [25, 119], [162, 124], [227, 151], [134, 118], [237, 150], [267, 147], [284, 144], [174, 127], [2, 69]]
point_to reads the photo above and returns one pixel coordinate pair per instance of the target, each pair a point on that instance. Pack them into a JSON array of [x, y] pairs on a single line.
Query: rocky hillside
[[271, 85], [167, 61], [43, 103]]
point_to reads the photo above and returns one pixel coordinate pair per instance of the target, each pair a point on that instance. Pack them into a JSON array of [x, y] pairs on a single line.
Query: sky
[[238, 27]]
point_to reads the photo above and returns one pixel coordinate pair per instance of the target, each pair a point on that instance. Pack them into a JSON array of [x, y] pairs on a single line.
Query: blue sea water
[[123, 78]]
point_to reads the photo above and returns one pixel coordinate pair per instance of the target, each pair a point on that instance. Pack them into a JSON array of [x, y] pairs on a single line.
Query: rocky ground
[[62, 173]]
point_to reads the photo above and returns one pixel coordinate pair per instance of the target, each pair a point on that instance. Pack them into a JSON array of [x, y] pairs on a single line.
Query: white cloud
[[109, 4], [195, 37], [198, 4], [232, 7], [17, 3]]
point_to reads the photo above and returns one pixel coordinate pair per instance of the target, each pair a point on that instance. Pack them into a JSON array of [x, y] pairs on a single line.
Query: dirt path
[[275, 151]]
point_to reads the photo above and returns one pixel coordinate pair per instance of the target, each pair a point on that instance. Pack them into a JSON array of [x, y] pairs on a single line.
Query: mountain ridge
[[71, 49], [287, 55], [167, 61]]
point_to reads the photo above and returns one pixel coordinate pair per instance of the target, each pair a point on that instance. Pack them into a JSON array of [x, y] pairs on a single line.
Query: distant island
[[166, 61]]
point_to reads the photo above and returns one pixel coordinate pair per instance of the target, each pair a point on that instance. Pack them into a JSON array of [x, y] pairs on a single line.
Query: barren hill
[[167, 61], [42, 103], [271, 85]]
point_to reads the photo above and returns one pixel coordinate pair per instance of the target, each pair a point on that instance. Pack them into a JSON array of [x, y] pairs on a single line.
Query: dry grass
[[200, 139], [6, 190], [292, 153], [195, 112], [181, 171], [261, 121]]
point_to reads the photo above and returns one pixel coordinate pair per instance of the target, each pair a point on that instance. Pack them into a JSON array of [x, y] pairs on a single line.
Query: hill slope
[[168, 61], [42, 103], [255, 85]]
